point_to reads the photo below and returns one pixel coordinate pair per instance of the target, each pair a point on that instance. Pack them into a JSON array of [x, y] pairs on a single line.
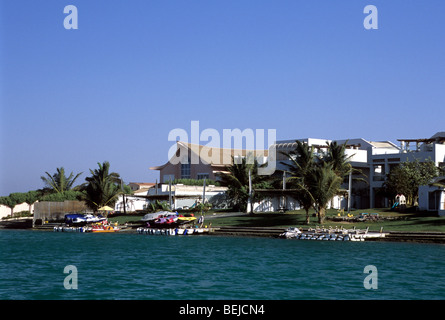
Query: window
[[433, 200], [201, 176], [185, 170], [379, 172]]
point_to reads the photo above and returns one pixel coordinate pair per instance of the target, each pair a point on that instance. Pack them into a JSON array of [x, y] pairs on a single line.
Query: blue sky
[[134, 70]]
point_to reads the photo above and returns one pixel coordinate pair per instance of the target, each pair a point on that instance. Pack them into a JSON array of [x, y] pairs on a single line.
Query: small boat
[[186, 219], [68, 229], [87, 218], [291, 232], [151, 216], [102, 229]]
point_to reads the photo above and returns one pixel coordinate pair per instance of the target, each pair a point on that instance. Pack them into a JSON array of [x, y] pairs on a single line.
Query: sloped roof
[[383, 144], [439, 137], [220, 156], [440, 134], [143, 184], [214, 156]]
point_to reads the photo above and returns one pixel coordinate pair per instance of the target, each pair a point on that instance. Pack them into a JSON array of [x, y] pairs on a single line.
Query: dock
[[248, 231]]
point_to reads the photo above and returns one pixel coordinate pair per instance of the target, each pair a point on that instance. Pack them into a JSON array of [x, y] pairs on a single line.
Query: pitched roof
[[383, 144], [212, 155]]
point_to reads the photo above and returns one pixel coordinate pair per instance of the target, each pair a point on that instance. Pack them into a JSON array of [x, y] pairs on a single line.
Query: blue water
[[133, 266]]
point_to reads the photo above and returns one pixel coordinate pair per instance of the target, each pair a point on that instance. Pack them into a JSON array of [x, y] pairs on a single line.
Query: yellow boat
[[187, 218], [104, 229], [182, 220]]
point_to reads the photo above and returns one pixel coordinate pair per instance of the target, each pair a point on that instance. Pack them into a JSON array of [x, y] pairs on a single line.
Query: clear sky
[[134, 70]]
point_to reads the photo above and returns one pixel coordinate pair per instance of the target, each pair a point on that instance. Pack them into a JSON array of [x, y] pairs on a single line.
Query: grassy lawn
[[408, 221]]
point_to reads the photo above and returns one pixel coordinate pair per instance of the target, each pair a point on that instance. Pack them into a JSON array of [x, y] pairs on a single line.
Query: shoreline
[[390, 236], [265, 232]]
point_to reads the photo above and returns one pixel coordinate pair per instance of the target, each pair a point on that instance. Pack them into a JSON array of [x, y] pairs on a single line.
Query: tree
[[157, 205], [70, 195], [102, 187], [302, 162], [59, 182], [408, 176], [336, 155], [317, 179], [9, 202], [237, 181], [12, 200], [323, 184], [31, 197]]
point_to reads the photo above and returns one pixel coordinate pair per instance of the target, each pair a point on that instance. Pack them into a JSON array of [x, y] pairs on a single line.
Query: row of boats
[[331, 234], [171, 224], [97, 228], [167, 219], [163, 222], [172, 232]]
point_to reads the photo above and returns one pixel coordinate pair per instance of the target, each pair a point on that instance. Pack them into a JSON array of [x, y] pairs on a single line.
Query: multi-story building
[[357, 151], [380, 164], [375, 159], [192, 161], [372, 161]]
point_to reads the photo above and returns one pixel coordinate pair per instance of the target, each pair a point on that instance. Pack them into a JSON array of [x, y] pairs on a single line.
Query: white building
[[357, 150], [381, 163], [179, 195], [432, 198], [375, 159], [6, 211]]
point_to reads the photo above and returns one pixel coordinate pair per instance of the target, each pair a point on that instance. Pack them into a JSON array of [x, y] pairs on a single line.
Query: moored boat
[[331, 234], [172, 231]]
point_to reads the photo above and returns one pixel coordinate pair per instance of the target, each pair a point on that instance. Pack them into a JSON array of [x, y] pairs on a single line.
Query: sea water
[[134, 266]]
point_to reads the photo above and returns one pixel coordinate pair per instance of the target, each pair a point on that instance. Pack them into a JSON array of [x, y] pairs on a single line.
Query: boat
[[86, 218], [166, 220], [102, 229], [149, 217], [69, 218], [331, 234], [291, 232], [183, 220], [172, 231], [68, 229]]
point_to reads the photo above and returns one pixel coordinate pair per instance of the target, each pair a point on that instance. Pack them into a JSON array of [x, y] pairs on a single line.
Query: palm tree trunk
[[307, 216], [321, 215]]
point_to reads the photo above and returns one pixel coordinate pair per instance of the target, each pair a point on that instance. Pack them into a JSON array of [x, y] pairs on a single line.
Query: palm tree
[[58, 182], [316, 180], [323, 183], [302, 162], [237, 181], [102, 187], [336, 155]]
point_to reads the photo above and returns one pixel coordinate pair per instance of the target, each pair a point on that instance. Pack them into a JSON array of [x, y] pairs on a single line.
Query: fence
[[52, 211]]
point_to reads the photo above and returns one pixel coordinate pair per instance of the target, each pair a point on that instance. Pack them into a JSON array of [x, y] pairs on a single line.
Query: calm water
[[133, 266]]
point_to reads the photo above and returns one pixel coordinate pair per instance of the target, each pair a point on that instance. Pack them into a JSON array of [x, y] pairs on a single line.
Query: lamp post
[[123, 197], [349, 191]]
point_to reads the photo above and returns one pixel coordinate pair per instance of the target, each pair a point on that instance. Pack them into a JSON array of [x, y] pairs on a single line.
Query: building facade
[[375, 159], [192, 161], [372, 161]]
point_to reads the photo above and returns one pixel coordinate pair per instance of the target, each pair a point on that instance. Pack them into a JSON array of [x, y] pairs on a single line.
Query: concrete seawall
[[396, 236]]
